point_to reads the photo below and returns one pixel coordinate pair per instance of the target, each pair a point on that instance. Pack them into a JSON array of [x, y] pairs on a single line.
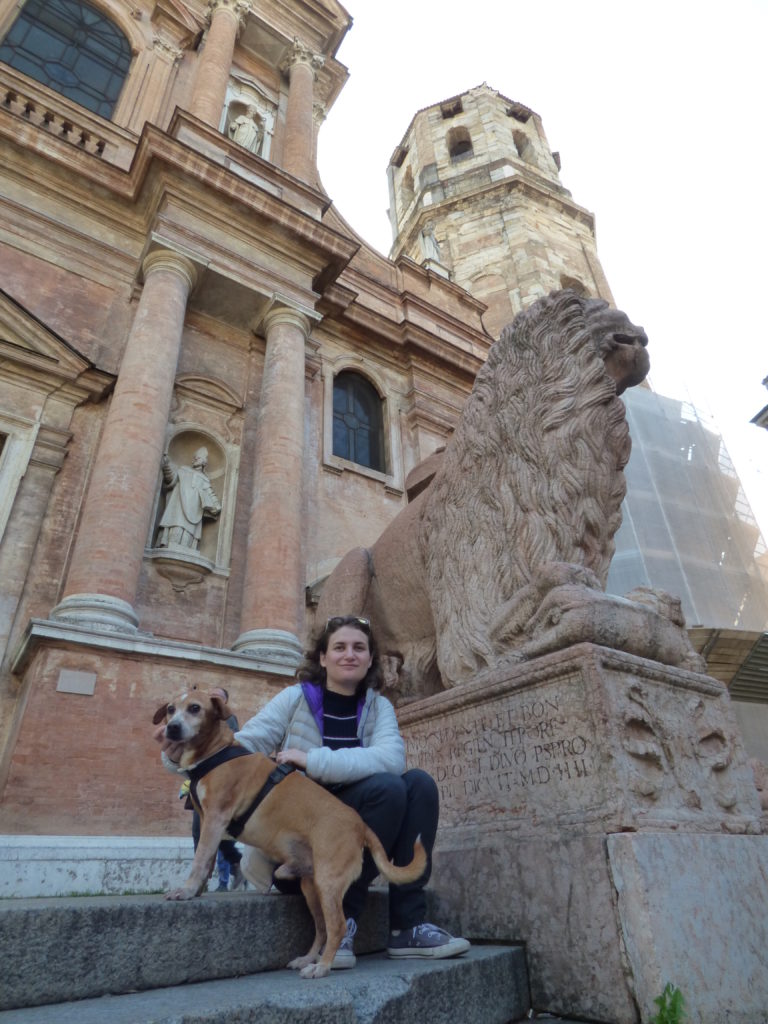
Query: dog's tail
[[393, 873]]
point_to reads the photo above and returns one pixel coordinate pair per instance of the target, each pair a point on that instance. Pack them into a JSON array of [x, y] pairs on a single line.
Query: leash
[[236, 825]]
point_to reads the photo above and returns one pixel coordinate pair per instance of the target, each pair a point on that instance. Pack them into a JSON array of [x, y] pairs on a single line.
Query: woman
[[337, 728]]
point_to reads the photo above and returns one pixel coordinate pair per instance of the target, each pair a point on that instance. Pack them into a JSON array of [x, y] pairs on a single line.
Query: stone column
[[210, 89], [106, 562], [272, 610], [298, 155]]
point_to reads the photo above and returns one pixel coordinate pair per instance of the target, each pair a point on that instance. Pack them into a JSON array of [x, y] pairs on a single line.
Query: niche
[[191, 499]]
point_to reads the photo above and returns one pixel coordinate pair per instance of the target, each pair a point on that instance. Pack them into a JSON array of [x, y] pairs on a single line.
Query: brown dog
[[298, 824]]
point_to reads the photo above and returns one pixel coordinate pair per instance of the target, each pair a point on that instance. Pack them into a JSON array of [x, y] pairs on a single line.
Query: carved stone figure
[[532, 478], [247, 130], [430, 246], [190, 499], [565, 605]]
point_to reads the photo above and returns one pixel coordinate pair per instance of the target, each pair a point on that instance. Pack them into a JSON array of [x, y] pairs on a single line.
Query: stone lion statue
[[524, 501]]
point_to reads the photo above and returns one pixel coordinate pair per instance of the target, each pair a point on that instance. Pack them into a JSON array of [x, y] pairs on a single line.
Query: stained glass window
[[357, 421], [72, 48]]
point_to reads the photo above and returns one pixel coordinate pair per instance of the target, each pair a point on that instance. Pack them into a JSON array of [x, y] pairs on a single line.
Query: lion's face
[[622, 345]]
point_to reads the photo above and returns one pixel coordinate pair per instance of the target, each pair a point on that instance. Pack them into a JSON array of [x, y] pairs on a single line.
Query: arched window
[[357, 421], [459, 143], [73, 49]]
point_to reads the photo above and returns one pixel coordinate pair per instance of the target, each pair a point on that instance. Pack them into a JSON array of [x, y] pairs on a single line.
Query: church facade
[[209, 387]]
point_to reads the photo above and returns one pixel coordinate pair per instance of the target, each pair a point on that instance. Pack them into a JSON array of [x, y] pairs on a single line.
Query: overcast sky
[[658, 111]]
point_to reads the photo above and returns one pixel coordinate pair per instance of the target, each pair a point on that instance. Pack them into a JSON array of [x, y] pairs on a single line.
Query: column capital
[[169, 259], [163, 48], [301, 54], [279, 314], [237, 9]]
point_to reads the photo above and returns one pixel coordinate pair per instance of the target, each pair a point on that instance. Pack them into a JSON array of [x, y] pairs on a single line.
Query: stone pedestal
[[599, 807]]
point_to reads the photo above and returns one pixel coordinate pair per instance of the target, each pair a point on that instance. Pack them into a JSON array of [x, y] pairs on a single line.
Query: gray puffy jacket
[[287, 722]]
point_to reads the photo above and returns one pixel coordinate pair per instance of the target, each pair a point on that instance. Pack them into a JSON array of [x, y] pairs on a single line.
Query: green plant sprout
[[671, 1006]]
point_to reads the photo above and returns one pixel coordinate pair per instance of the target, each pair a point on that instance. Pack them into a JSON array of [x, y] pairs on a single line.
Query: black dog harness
[[236, 825]]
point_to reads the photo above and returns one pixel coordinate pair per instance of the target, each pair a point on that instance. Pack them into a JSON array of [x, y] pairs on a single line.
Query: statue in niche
[[504, 555], [247, 130], [430, 246], [190, 499]]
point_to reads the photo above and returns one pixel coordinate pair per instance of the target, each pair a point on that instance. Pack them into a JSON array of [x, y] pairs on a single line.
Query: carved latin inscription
[[487, 759]]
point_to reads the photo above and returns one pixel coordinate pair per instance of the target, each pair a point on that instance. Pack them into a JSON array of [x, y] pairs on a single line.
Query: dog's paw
[[181, 894], [315, 971], [301, 961]]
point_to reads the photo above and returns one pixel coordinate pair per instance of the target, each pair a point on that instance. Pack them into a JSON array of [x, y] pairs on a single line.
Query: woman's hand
[[172, 751], [293, 756]]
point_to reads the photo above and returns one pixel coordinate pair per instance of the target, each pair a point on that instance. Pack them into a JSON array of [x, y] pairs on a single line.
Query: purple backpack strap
[[313, 694]]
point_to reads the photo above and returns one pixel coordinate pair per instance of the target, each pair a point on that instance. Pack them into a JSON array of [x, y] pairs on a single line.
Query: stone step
[[97, 945], [34, 866], [487, 985], [55, 951]]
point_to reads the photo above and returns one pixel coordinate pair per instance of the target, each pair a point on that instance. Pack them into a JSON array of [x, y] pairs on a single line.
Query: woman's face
[[347, 659]]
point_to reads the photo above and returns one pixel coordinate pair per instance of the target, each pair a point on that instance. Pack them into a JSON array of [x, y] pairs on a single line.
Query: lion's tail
[[393, 873]]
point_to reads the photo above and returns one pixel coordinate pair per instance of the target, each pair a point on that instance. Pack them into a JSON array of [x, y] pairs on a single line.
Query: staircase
[[221, 959]]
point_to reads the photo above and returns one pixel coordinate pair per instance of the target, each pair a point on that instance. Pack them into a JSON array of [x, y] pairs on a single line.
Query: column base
[[97, 611], [275, 646]]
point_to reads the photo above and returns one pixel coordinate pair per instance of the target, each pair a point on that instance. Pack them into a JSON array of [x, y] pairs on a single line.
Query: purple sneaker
[[425, 940], [345, 954]]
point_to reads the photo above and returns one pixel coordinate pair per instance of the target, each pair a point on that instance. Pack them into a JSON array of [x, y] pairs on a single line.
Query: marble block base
[[692, 911], [575, 790]]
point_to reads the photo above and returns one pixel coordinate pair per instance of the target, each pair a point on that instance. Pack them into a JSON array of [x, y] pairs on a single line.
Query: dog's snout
[[173, 731]]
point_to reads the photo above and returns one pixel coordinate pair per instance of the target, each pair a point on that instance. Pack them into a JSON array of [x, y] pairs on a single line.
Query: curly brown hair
[[311, 671]]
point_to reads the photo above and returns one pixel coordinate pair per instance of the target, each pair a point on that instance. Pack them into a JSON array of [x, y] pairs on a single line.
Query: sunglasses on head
[[337, 621]]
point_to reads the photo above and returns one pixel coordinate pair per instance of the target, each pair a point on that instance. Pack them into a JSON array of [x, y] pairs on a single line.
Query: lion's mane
[[533, 475]]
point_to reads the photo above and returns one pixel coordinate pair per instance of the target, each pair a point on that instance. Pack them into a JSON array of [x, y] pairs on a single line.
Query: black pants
[[228, 849], [398, 808]]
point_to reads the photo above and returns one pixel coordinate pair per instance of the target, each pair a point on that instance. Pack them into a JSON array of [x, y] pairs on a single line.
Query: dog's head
[[192, 716]]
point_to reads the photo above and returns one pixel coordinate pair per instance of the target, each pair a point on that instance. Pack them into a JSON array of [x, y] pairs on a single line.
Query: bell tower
[[475, 195]]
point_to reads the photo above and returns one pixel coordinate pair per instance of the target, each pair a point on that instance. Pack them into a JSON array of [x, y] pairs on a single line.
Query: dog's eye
[[171, 709], [194, 709]]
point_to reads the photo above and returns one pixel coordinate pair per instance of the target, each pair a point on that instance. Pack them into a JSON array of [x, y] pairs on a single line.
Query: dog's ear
[[160, 714], [220, 707]]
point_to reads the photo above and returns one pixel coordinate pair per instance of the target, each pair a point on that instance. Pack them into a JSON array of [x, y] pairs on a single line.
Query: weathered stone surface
[[692, 912], [586, 737], [554, 894], [537, 771], [93, 946], [485, 986], [38, 866]]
